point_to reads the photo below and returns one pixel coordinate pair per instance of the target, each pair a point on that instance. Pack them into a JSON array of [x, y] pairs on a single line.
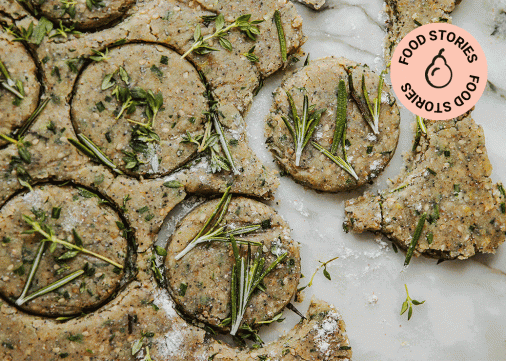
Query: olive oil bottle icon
[[439, 74]]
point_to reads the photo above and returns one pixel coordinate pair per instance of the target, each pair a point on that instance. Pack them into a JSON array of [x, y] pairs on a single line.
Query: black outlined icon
[[439, 74]]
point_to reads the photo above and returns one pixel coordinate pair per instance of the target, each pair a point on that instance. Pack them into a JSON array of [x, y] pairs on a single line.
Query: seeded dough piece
[[313, 4], [94, 223], [20, 66], [84, 17], [95, 110], [367, 153], [199, 282], [406, 15], [447, 177]]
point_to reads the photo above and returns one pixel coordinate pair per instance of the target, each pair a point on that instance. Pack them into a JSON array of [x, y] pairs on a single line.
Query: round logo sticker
[[438, 71]]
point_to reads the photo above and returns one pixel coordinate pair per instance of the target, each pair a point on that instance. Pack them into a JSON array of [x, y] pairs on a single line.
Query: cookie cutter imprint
[[111, 329]]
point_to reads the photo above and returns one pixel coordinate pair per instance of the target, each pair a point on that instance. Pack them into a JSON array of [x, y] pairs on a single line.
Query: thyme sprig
[[339, 133], [48, 233], [302, 128], [375, 105], [414, 240], [64, 31], [99, 55], [15, 87], [247, 273], [409, 304], [85, 145], [90, 4], [325, 273], [69, 7], [201, 44], [214, 231]]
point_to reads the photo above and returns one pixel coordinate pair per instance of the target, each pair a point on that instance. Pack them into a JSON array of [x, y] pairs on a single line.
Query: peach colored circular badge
[[438, 71]]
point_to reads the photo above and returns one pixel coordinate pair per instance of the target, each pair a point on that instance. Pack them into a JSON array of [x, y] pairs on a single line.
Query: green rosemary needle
[[33, 270], [15, 87], [53, 286], [201, 45], [342, 102], [22, 146], [408, 303], [32, 118], [49, 235], [212, 231], [375, 106], [337, 160], [416, 237], [223, 142], [302, 129], [247, 273], [281, 35], [91, 150]]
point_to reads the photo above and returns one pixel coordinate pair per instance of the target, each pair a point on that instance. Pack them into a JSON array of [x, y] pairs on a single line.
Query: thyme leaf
[[408, 304], [201, 44]]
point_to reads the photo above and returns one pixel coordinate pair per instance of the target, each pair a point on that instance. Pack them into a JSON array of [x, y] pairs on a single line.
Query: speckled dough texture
[[206, 271], [367, 153], [446, 177], [20, 66], [78, 213], [406, 15], [141, 310], [104, 12], [183, 107]]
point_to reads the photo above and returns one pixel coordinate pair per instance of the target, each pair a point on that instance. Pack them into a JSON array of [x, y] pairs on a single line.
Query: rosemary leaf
[[342, 101], [33, 270], [32, 118], [281, 35], [91, 150], [337, 160], [224, 144], [416, 237], [49, 288]]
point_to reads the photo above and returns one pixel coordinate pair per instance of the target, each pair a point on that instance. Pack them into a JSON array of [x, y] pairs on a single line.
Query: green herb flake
[[157, 72], [430, 238], [143, 209], [281, 35], [369, 149], [149, 217], [76, 338], [447, 153], [172, 184], [182, 289], [100, 107], [164, 60], [433, 172], [55, 213], [160, 251]]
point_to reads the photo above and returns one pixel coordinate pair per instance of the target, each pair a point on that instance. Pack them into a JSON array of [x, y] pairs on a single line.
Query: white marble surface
[[464, 316]]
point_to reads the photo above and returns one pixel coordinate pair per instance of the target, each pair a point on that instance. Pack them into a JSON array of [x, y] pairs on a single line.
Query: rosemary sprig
[[302, 129], [89, 148], [33, 270], [223, 142], [339, 133], [243, 23], [375, 106], [31, 119], [281, 35], [51, 287], [420, 128], [337, 160], [414, 240], [212, 231], [15, 87], [48, 234], [247, 273], [325, 273], [409, 303]]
